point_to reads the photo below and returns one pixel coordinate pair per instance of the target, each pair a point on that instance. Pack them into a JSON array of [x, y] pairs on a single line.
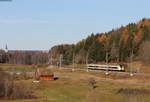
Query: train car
[[108, 67]]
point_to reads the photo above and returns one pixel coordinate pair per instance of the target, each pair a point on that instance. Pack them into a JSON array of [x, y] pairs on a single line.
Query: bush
[[133, 95], [9, 89], [22, 91]]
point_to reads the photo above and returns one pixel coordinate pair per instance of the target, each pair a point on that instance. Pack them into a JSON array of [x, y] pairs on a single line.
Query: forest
[[117, 45], [23, 57]]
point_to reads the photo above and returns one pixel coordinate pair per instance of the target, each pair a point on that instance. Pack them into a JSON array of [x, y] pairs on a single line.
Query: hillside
[[118, 44]]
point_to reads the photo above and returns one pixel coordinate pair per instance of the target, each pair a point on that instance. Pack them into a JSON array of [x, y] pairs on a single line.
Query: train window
[[114, 67]]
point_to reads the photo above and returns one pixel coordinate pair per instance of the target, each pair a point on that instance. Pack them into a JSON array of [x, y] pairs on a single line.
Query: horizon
[[30, 25]]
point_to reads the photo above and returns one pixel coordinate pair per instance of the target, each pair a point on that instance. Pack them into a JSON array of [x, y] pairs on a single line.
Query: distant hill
[[118, 44]]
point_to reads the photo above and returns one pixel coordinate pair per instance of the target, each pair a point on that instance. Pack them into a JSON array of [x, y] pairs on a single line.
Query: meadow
[[77, 90], [69, 90]]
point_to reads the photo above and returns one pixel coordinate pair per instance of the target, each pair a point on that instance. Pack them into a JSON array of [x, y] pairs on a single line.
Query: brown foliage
[[133, 95], [9, 89], [102, 37], [22, 91]]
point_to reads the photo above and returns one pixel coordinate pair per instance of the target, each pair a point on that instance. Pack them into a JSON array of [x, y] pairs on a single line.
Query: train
[[107, 67]]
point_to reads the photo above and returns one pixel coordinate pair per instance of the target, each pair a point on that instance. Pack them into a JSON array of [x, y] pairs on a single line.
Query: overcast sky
[[41, 24]]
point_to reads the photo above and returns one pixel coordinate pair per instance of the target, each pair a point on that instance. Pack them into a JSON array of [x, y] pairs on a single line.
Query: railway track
[[102, 80], [81, 69]]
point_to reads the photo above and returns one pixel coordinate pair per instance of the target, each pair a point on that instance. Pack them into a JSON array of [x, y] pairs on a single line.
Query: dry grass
[[114, 76], [75, 90]]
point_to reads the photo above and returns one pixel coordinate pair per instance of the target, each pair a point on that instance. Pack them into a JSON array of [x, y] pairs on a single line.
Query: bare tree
[[28, 57], [9, 89], [80, 57], [145, 52], [114, 53]]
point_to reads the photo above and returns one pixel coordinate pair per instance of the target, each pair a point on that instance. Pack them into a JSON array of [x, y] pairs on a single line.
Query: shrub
[[9, 89], [133, 95], [22, 91]]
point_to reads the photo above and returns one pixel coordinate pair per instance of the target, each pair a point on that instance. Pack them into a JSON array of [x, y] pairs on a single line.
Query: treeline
[[118, 45], [24, 57]]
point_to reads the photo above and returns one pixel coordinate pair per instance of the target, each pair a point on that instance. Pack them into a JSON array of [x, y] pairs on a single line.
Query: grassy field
[[69, 90], [10, 67], [75, 90]]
